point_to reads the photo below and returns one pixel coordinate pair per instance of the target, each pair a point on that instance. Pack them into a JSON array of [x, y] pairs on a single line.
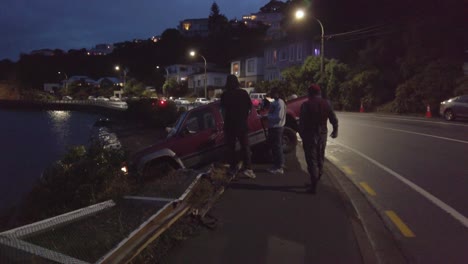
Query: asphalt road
[[415, 172]]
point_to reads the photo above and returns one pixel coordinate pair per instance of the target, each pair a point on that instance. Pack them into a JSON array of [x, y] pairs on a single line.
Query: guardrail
[[108, 104]]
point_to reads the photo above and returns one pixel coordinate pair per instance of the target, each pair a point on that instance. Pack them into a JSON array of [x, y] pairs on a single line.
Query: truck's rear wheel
[[289, 140]]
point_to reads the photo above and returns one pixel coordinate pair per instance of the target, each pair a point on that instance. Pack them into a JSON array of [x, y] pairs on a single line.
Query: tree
[[217, 22]]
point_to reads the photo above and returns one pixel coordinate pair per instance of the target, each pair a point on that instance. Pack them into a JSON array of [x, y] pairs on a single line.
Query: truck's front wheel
[[289, 140], [157, 169]]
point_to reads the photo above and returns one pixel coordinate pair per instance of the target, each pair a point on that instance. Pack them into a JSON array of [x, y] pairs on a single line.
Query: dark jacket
[[314, 115], [235, 106]]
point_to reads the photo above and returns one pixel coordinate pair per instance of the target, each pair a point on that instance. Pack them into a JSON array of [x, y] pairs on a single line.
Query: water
[[30, 141]]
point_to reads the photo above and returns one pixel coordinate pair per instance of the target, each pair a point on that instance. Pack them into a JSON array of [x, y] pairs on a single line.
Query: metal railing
[[108, 104]]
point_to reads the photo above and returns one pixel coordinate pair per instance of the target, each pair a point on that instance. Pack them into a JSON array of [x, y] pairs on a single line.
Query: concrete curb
[[375, 240]]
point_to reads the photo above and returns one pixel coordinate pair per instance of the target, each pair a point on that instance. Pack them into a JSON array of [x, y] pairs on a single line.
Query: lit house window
[[187, 26], [236, 69]]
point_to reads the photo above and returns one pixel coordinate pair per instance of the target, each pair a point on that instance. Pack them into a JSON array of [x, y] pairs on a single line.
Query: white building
[[180, 72], [215, 82]]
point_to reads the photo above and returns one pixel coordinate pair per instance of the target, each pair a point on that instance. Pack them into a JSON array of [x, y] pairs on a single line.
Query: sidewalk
[[272, 219]]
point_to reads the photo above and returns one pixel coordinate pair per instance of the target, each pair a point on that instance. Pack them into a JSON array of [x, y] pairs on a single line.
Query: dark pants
[[275, 140], [231, 138], [314, 151]]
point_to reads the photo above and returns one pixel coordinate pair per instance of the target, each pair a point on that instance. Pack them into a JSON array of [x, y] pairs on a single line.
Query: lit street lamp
[[66, 80], [300, 14], [125, 71], [192, 53]]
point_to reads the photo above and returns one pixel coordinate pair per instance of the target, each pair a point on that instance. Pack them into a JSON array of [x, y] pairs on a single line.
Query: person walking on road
[[313, 131], [276, 121], [236, 106]]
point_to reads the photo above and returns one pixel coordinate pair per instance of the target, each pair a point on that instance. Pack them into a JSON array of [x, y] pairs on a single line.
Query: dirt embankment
[[8, 91]]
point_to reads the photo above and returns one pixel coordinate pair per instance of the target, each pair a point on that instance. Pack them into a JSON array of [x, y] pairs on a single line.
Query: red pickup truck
[[198, 138]]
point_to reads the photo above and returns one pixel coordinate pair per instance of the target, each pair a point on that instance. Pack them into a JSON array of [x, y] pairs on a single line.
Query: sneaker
[[276, 171], [250, 174]]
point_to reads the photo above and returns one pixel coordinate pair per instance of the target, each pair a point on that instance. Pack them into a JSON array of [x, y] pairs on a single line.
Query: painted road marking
[[436, 201], [416, 133], [404, 229], [368, 189], [348, 170], [414, 119]]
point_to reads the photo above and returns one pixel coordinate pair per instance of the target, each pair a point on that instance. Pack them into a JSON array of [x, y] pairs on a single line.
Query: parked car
[[202, 101], [454, 108], [114, 99], [91, 98], [102, 98], [257, 98], [67, 98], [198, 139], [182, 101]]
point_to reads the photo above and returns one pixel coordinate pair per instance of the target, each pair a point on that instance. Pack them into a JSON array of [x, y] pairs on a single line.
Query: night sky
[[27, 25]]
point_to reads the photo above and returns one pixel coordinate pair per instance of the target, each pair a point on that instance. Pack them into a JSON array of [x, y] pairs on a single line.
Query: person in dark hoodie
[[313, 131], [236, 106]]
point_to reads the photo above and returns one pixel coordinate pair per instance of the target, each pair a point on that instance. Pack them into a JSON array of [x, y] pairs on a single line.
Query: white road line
[[405, 119], [445, 207], [416, 133]]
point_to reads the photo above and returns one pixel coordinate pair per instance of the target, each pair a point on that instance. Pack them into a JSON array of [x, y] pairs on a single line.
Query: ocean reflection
[[60, 126]]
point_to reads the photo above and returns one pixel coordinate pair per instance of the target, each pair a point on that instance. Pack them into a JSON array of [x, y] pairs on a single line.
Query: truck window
[[201, 120]]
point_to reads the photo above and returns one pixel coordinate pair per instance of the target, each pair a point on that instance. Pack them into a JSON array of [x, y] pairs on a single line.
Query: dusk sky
[[28, 25]]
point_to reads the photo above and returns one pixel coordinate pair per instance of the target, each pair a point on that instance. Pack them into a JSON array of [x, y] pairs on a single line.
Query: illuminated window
[[235, 68], [187, 26]]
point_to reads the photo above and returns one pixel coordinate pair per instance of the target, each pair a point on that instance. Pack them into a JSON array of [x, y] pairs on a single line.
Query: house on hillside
[[101, 49], [284, 54], [249, 70], [270, 15], [81, 81], [52, 88], [109, 82], [194, 27], [216, 80]]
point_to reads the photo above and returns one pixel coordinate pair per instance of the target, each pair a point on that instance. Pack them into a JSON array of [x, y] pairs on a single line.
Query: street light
[[193, 53], [300, 14], [125, 71], [66, 80]]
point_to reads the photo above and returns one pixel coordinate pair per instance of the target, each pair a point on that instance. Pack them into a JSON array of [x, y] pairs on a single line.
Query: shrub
[[83, 177]]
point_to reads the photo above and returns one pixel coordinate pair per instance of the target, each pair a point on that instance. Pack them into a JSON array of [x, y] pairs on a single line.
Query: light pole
[[66, 80], [300, 14], [167, 76], [192, 53], [125, 71]]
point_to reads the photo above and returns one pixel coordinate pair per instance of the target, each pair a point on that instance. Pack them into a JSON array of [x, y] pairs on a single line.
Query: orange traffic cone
[[428, 112], [361, 110]]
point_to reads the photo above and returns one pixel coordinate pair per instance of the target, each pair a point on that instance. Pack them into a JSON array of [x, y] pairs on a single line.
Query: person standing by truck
[[276, 121], [313, 131], [236, 106]]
